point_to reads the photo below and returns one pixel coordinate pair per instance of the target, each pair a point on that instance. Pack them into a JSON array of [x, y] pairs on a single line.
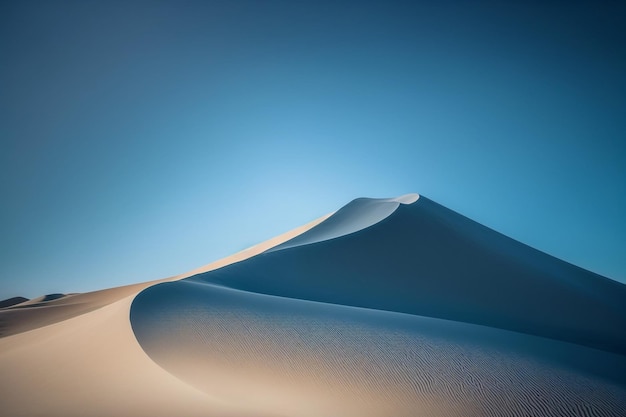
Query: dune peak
[[407, 198]]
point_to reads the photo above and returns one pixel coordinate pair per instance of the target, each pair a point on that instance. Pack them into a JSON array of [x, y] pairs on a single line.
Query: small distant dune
[[50, 297], [42, 300], [12, 301]]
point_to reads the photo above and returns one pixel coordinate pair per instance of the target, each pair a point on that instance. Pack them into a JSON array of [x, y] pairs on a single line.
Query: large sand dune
[[424, 259], [390, 307]]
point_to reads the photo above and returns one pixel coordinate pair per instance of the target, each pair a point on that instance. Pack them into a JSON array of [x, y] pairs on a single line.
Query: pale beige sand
[[91, 363]]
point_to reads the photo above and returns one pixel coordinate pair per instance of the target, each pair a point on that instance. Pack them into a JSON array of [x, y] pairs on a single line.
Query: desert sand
[[388, 307]]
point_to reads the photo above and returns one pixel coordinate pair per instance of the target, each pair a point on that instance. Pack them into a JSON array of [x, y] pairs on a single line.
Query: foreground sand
[[390, 307]]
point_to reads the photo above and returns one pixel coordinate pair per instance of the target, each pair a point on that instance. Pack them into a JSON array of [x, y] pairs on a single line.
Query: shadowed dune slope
[[301, 358], [424, 259]]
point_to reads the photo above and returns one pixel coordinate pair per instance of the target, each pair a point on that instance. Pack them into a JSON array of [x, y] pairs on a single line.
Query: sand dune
[[44, 299], [12, 301], [427, 260], [389, 307]]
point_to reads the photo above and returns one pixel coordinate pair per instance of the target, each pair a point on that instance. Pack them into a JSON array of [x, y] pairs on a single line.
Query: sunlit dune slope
[[77, 356]]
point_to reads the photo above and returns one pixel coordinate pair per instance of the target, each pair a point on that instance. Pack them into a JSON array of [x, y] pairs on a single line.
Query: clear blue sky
[[143, 139]]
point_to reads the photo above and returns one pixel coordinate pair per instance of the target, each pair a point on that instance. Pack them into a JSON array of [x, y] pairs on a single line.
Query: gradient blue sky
[[143, 139]]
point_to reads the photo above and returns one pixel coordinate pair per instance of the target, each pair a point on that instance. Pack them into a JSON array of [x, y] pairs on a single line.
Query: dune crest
[[357, 215]]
